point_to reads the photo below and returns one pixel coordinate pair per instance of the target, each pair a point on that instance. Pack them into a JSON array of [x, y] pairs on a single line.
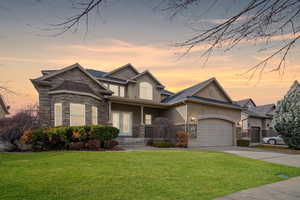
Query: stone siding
[[66, 99], [46, 101]]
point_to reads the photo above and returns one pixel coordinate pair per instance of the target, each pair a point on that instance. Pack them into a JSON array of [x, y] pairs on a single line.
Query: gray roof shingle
[[179, 96]]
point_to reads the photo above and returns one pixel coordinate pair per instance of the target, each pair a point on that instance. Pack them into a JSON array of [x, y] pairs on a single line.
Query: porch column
[[142, 126], [109, 113]]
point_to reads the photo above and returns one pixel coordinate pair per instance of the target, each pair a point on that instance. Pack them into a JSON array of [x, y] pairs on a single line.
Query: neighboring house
[[130, 100], [3, 108], [256, 121]]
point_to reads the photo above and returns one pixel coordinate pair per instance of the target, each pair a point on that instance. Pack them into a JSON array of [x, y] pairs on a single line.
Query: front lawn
[[164, 175]]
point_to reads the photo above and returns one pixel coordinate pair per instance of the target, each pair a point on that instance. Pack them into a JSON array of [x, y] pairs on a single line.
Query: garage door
[[214, 132]]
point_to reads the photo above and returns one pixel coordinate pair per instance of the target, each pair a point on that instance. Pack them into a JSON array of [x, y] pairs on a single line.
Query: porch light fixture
[[193, 119]]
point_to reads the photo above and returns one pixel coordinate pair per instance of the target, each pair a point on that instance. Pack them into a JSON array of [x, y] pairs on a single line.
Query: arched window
[[146, 91]]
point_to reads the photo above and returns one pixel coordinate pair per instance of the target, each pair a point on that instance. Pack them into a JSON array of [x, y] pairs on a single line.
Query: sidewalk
[[283, 190]]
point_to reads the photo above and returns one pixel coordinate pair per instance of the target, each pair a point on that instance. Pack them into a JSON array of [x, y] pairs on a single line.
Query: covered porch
[[133, 117]]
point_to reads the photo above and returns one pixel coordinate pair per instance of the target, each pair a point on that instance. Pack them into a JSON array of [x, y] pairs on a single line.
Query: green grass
[[153, 175]]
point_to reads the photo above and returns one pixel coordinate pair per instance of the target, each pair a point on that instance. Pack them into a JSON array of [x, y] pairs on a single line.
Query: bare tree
[[259, 20]]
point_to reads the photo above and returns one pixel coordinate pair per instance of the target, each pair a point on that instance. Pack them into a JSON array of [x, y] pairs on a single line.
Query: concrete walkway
[[284, 190]]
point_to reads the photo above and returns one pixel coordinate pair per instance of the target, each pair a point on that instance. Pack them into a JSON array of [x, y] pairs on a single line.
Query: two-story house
[[130, 100]]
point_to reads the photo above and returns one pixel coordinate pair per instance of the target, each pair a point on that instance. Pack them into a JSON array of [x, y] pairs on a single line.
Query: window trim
[[142, 86], [149, 119], [118, 88], [84, 116], [96, 117], [123, 90], [61, 115]]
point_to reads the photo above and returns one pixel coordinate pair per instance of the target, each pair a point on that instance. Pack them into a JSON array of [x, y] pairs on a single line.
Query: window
[[57, 114], [146, 91], [126, 122], [115, 89], [77, 114], [122, 91], [116, 119], [148, 119], [122, 121], [94, 115]]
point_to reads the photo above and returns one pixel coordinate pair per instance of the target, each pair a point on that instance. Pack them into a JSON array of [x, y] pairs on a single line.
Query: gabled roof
[[167, 92], [51, 73], [265, 109], [74, 86], [3, 105], [143, 73], [121, 68], [181, 95], [244, 102]]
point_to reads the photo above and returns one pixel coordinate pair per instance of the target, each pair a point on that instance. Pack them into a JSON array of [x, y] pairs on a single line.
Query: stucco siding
[[212, 91], [255, 122], [176, 114], [196, 109], [134, 92], [125, 73]]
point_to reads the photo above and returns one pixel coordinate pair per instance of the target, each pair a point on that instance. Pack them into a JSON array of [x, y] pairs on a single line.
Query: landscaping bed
[[153, 175], [277, 148]]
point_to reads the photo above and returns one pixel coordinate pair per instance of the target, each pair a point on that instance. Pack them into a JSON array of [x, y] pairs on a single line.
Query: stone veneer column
[[142, 131]]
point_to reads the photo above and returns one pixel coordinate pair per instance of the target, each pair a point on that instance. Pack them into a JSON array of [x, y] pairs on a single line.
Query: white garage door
[[214, 132]]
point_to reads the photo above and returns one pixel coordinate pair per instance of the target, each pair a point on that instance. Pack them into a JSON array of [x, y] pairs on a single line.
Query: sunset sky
[[131, 31]]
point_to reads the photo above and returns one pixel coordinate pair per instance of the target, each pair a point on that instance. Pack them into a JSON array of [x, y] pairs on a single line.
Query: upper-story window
[[122, 91], [114, 89], [117, 90], [146, 91]]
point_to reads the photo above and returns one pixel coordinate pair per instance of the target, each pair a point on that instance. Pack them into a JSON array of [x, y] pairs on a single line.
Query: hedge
[[65, 137], [243, 143]]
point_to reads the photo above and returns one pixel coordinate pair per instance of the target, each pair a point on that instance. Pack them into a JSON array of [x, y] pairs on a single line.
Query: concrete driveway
[[269, 156], [283, 190]]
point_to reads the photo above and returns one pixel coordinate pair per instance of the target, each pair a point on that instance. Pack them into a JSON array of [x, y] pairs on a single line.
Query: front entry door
[[122, 121], [255, 134]]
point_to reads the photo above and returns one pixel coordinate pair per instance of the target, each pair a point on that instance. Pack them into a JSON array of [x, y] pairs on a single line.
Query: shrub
[[243, 143], [73, 137], [104, 133], [163, 144], [25, 138], [182, 139]]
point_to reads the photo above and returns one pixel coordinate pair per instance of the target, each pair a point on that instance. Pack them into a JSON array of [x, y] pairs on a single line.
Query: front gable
[[74, 73], [213, 91], [250, 104], [125, 72], [147, 75]]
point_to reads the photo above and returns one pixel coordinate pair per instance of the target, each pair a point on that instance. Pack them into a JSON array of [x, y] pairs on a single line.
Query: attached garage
[[214, 132]]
